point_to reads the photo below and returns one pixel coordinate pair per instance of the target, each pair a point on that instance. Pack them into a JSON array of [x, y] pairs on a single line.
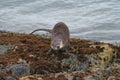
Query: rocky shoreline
[[24, 57]]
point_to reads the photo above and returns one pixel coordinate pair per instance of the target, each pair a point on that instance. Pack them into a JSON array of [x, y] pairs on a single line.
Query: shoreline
[[28, 53]]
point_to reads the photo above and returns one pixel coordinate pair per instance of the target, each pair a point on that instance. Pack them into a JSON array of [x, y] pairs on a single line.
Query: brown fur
[[60, 36]]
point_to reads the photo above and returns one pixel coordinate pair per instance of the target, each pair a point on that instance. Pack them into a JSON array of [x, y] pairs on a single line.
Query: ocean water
[[97, 20]]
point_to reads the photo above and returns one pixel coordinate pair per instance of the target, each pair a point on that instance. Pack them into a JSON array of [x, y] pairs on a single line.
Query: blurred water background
[[87, 19]]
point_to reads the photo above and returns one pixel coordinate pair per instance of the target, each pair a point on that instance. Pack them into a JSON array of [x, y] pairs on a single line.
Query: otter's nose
[[58, 47]]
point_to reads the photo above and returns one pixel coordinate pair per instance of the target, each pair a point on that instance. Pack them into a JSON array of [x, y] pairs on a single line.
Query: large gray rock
[[19, 70]]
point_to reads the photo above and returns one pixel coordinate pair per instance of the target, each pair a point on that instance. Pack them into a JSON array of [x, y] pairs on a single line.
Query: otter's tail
[[48, 30]]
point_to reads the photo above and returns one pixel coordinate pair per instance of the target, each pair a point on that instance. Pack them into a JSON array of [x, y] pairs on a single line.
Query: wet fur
[[61, 31], [60, 36]]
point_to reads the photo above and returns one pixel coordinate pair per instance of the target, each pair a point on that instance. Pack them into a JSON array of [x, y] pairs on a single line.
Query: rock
[[5, 48], [19, 70], [31, 77], [2, 70], [91, 78], [66, 75], [10, 78], [7, 78], [89, 60], [2, 78], [111, 78], [72, 62], [102, 59], [84, 66]]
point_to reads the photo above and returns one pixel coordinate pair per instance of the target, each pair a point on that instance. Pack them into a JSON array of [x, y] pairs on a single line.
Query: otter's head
[[57, 44]]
